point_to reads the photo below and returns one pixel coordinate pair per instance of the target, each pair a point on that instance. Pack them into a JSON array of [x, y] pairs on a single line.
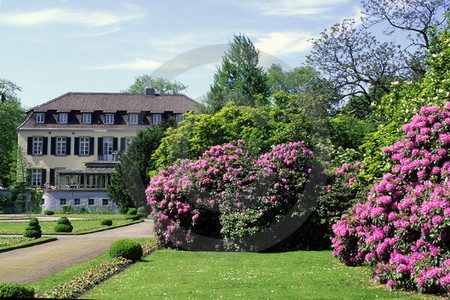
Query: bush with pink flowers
[[226, 198], [403, 229]]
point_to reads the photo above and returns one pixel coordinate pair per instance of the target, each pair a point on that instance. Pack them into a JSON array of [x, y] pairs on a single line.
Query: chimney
[[150, 92]]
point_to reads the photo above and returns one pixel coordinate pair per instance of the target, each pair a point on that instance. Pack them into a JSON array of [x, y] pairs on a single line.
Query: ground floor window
[[105, 201], [62, 201], [90, 201], [76, 201]]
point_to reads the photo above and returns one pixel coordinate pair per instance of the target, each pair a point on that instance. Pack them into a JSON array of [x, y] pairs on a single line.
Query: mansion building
[[71, 143]]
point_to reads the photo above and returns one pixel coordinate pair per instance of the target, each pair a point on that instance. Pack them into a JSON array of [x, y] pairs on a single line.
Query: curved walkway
[[30, 264]]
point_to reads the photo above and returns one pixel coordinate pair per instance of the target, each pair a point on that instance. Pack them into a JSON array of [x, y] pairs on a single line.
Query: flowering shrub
[[403, 229], [226, 196]]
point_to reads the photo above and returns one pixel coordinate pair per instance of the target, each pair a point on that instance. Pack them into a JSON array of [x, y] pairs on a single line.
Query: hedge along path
[[30, 264]]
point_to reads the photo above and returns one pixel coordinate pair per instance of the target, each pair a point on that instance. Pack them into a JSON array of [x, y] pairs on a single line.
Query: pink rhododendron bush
[[403, 229], [228, 200]]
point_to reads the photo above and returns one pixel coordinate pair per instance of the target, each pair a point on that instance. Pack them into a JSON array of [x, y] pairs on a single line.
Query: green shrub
[[107, 222], [132, 217], [33, 230], [142, 212], [132, 211], [126, 248], [10, 290], [66, 209], [63, 225], [49, 212]]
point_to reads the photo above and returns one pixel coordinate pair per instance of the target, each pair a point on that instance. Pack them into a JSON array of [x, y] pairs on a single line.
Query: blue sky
[[51, 47]]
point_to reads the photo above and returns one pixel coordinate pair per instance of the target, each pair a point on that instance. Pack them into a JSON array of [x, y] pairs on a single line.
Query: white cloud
[[136, 64], [71, 16], [294, 7], [277, 43]]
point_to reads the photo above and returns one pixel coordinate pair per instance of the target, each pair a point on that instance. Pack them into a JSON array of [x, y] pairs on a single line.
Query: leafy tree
[[238, 79], [11, 115], [162, 85], [315, 95], [127, 188], [415, 17], [363, 67], [260, 127]]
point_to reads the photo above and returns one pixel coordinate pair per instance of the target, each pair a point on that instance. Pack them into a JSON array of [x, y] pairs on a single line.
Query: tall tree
[[162, 85], [317, 96], [128, 183], [11, 115], [239, 78], [363, 67]]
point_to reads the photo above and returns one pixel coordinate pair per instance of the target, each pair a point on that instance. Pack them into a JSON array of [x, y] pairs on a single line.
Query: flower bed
[[87, 280]]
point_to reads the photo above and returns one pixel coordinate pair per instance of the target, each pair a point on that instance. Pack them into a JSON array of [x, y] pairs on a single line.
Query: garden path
[[33, 263]]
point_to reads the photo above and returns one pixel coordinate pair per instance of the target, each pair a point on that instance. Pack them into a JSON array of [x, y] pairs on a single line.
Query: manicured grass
[[11, 243], [171, 274], [66, 275], [47, 227]]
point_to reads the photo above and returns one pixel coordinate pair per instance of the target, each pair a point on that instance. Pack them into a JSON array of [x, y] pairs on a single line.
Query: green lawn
[[173, 274], [11, 243], [49, 226]]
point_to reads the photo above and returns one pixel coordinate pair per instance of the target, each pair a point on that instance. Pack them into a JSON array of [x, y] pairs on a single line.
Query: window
[[61, 146], [84, 146], [179, 117], [133, 118], [42, 201], [87, 119], [39, 117], [156, 119], [76, 201], [36, 177], [63, 117], [90, 201], [105, 201], [127, 142], [38, 145], [109, 119], [62, 201]]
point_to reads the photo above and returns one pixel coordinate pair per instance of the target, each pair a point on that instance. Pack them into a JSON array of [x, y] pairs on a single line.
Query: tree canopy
[[239, 78], [162, 85]]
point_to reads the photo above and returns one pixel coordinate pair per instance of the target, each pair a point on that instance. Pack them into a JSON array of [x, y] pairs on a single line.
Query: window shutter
[[76, 149], [45, 146], [68, 144], [115, 144], [28, 176], [52, 177], [122, 144], [53, 145], [100, 146], [91, 146], [30, 145], [44, 176]]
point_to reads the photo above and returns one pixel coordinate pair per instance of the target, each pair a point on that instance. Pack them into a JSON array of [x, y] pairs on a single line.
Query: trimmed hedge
[[49, 212], [126, 248], [63, 225], [33, 230], [10, 290], [106, 222]]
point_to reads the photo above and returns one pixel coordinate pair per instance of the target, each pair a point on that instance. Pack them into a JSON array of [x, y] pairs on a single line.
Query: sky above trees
[[56, 46]]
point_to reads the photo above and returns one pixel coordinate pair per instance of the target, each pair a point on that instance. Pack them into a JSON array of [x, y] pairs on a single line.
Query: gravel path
[[30, 264]]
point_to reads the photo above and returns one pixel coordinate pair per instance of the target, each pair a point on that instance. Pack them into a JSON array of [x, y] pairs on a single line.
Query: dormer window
[[109, 119], [39, 117], [156, 119], [133, 118], [179, 117], [87, 119], [63, 117]]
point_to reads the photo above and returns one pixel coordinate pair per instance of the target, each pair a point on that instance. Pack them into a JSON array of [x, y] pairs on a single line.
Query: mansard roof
[[102, 103]]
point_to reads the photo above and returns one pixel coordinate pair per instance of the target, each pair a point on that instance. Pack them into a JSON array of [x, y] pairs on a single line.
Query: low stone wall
[[94, 200]]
